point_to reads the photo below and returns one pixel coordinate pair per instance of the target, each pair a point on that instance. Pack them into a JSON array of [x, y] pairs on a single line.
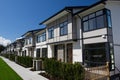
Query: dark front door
[[55, 52], [69, 53], [38, 53]]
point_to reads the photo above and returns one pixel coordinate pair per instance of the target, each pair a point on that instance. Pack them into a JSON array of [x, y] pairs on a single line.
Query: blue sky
[[19, 16]]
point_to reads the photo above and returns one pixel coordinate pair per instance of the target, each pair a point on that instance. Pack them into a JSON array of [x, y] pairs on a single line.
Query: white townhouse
[[40, 42], [29, 43], [89, 35], [98, 31], [19, 45], [62, 36]]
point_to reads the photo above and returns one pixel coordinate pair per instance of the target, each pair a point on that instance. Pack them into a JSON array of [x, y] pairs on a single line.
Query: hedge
[[22, 60], [64, 71], [25, 61]]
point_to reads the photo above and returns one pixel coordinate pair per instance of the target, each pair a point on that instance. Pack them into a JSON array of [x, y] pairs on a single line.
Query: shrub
[[25, 61], [12, 57], [64, 71], [5, 55]]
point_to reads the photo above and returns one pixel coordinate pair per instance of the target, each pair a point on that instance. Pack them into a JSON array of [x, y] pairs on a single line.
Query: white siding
[[77, 51]]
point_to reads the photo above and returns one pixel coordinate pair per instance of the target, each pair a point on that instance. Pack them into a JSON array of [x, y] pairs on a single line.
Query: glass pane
[[92, 24], [49, 34], [85, 26], [65, 29], [65, 23], [61, 31], [109, 21], [99, 13], [100, 22], [52, 34], [61, 24], [95, 56], [92, 15], [108, 12], [85, 18]]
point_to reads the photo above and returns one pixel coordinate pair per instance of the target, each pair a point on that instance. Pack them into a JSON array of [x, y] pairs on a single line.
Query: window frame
[[50, 32], [43, 36], [64, 28], [87, 19]]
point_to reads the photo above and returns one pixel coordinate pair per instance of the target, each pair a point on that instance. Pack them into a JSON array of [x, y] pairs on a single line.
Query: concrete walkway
[[24, 73]]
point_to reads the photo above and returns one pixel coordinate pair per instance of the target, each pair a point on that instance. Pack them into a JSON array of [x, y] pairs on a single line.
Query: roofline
[[67, 7], [101, 1], [33, 31]]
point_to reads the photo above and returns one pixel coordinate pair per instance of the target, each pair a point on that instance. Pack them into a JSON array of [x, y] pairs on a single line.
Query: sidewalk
[[24, 73]]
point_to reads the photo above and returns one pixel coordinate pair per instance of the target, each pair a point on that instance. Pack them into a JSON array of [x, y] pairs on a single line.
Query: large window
[[50, 32], [63, 28], [41, 37], [97, 20], [94, 54]]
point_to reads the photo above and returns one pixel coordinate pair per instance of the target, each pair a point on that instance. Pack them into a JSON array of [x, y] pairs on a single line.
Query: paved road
[[25, 73]]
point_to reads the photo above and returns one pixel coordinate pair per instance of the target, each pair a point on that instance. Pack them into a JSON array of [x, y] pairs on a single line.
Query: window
[[44, 52], [30, 40], [39, 38], [64, 28], [86, 26], [50, 32], [109, 18], [97, 20], [100, 22], [94, 54], [43, 36], [38, 53], [92, 24]]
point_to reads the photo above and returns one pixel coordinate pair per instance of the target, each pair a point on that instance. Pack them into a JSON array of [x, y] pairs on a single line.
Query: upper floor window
[[51, 32], [39, 38], [30, 40], [96, 20], [43, 36], [63, 28]]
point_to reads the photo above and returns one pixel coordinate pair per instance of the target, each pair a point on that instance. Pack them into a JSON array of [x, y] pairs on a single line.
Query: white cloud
[[4, 41]]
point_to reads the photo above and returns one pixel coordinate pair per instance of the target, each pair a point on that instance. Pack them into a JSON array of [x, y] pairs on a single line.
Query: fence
[[97, 73]]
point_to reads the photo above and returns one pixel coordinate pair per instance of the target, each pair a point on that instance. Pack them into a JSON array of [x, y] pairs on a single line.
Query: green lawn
[[6, 73]]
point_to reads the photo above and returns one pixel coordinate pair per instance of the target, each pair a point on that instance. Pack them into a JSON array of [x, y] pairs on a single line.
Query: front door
[[69, 53]]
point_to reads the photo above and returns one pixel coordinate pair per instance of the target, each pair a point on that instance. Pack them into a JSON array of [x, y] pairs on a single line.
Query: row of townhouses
[[85, 34]]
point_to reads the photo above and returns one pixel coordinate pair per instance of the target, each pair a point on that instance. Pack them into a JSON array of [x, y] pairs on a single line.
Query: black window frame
[[38, 40], [105, 19], [43, 36], [64, 28], [50, 32]]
